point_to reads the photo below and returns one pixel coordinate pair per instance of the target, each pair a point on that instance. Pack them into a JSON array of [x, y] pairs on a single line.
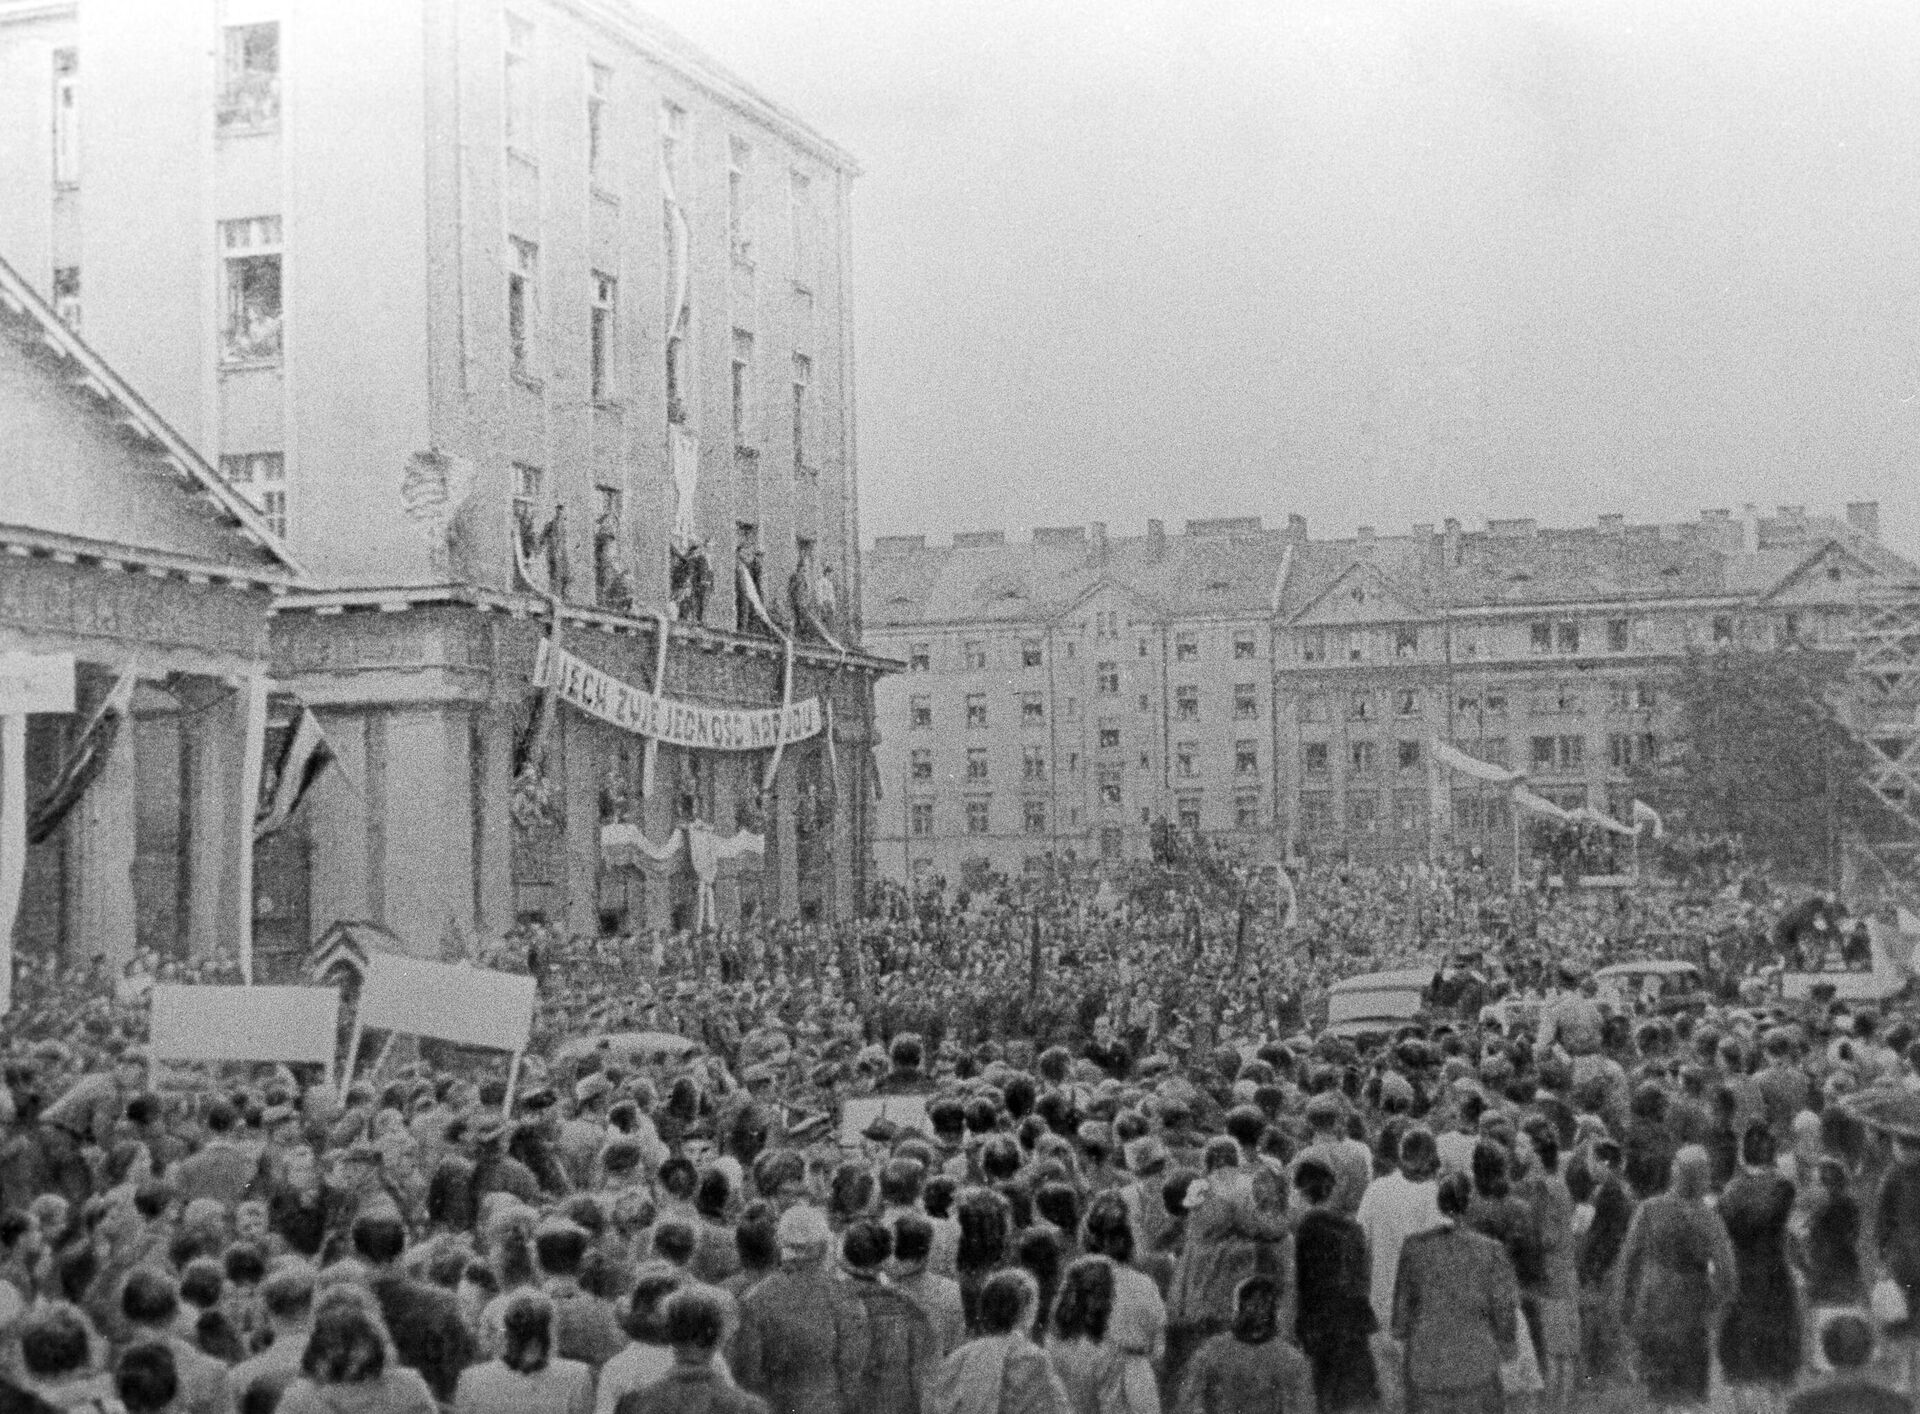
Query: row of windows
[[976, 654], [1033, 709], [977, 816], [1558, 753], [1187, 758], [1560, 699]]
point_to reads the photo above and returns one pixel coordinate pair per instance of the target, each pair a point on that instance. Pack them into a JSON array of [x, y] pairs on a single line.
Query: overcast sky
[[1374, 262]]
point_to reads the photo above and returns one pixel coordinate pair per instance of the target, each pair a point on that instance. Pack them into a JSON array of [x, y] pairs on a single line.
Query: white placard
[[244, 1023], [470, 1006], [35, 682]]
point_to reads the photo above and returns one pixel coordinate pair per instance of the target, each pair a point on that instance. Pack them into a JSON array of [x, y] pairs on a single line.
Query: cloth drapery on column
[[13, 839], [705, 850]]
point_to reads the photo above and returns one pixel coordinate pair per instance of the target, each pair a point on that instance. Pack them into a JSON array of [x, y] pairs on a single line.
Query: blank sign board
[[469, 1006]]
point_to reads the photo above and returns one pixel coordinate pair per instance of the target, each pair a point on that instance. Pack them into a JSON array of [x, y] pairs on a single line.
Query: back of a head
[[379, 1236], [1108, 1228], [645, 1308], [866, 1245], [348, 1345], [1847, 1342], [900, 1182], [912, 1239], [287, 1292], [1256, 1310], [694, 1319], [149, 1297], [527, 1332], [560, 1247], [1085, 1303], [674, 1240], [1059, 1204], [146, 1378], [54, 1341], [713, 1194], [1419, 1153], [1454, 1196], [1005, 1298]]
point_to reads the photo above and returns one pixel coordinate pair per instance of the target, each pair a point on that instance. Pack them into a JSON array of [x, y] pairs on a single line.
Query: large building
[[1259, 684], [478, 304]]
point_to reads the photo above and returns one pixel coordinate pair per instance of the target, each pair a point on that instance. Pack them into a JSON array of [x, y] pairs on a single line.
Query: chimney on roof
[[1864, 516], [1297, 529], [1097, 532], [1749, 528], [1450, 540], [1613, 523], [1156, 540]]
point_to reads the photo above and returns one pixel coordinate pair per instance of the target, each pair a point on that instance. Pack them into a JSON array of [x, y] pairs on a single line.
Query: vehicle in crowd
[[1378, 1003], [1876, 972], [1657, 986]]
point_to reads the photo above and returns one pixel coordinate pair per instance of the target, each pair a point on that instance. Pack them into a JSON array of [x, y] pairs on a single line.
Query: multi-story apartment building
[[1289, 690], [480, 303]]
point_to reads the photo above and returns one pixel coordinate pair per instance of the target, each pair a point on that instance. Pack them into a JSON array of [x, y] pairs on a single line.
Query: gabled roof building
[[1070, 690]]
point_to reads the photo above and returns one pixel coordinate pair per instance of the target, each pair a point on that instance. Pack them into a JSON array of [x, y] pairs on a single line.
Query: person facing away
[[693, 1323], [803, 1339], [1847, 1342], [1456, 1304], [528, 1376], [1250, 1368]]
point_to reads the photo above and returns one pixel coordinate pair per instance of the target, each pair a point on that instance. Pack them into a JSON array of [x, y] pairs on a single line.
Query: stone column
[[492, 728], [102, 827], [783, 846], [337, 825], [222, 744], [426, 863], [656, 818], [577, 739]]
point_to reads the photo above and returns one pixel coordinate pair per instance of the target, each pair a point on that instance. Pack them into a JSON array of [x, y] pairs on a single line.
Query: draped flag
[[1645, 814], [303, 759], [530, 746], [84, 763], [1524, 799], [1587, 815], [1455, 759]]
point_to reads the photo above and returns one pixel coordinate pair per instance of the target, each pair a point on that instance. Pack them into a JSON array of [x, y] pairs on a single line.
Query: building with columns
[[124, 549], [1284, 692], [485, 307]]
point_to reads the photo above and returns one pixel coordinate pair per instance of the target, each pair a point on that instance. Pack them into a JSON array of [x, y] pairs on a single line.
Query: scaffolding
[[1882, 712]]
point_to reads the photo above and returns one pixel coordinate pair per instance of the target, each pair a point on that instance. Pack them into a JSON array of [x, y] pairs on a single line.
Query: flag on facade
[[1289, 898], [1455, 759], [1645, 814], [303, 759], [84, 762], [1524, 799], [530, 745]]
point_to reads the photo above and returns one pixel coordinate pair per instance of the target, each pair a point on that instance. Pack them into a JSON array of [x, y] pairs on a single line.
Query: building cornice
[[14, 12], [401, 599], [24, 542]]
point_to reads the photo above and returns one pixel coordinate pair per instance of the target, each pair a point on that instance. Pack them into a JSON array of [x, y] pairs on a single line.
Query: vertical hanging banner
[[683, 724], [29, 682]]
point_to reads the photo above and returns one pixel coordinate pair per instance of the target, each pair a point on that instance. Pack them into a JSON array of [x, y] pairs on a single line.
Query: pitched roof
[[88, 465], [985, 578]]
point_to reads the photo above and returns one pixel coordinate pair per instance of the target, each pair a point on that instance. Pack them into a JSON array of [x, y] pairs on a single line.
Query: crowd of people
[[1120, 1167]]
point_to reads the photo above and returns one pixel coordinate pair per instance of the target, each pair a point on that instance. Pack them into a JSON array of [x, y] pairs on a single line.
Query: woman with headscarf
[[1676, 1269], [1335, 1324], [1236, 1228], [1760, 1336], [1000, 1371]]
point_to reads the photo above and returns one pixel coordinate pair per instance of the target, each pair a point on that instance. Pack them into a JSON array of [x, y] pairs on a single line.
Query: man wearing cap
[[1350, 1161], [584, 1132], [803, 1341]]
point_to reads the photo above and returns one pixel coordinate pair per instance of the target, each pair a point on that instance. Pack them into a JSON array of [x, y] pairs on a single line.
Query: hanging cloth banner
[[84, 762], [650, 753], [683, 724], [1524, 799], [29, 682], [1455, 759], [1645, 814], [705, 850], [786, 707], [1587, 815], [625, 845]]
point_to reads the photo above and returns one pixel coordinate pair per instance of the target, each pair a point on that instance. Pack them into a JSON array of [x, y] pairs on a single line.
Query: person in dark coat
[[1896, 1240], [424, 1320], [1760, 1335], [1456, 1311], [695, 1319], [902, 1349], [1675, 1269], [1598, 1251], [1335, 1281], [1832, 1262], [1847, 1342], [803, 1340]]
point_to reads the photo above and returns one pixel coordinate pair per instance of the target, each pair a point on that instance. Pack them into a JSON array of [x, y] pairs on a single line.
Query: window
[[1409, 811], [1360, 707], [1493, 750], [1108, 780], [1186, 647], [1620, 696], [1033, 816], [1143, 648], [977, 816], [1561, 753], [1030, 653], [1072, 710], [1722, 630], [976, 709], [1573, 753], [1073, 763], [250, 252], [1409, 755], [1188, 807], [1566, 636], [802, 390], [528, 484], [66, 117], [921, 768], [602, 348], [1313, 707], [1186, 759], [1313, 646], [1495, 702], [1033, 709], [1361, 757], [262, 478], [1243, 646], [1541, 635], [1363, 812], [1246, 812], [1619, 751], [1467, 704], [1109, 736], [1110, 842], [66, 295], [523, 284], [1033, 764], [519, 83], [1186, 702], [1647, 746], [1146, 703], [1107, 679], [1569, 699], [920, 658], [1246, 702], [250, 76], [742, 386], [976, 763], [1644, 696], [920, 711], [740, 199], [1314, 755], [974, 654], [1618, 635], [1357, 645], [920, 819], [1542, 753], [1316, 814], [1406, 702], [800, 222], [1246, 758], [599, 108], [1106, 623], [1406, 642]]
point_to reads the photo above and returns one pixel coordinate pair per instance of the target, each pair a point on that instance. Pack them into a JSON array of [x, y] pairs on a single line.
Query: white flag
[[1457, 760], [1524, 799], [1645, 814]]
